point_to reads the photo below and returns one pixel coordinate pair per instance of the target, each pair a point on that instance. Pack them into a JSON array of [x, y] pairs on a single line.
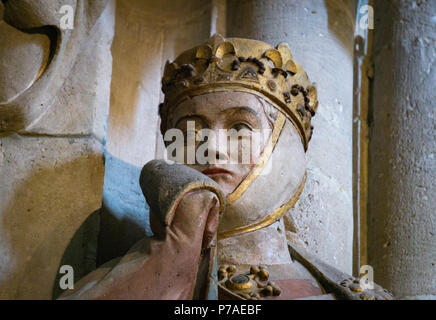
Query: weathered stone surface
[[402, 189], [36, 13], [52, 174], [320, 35], [34, 100], [82, 104], [18, 74], [135, 87], [49, 187]]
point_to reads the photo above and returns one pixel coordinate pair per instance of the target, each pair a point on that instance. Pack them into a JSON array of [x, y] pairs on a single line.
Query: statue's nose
[[218, 147]]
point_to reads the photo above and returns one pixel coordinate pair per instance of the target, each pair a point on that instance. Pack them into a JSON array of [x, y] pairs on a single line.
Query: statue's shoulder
[[336, 282]]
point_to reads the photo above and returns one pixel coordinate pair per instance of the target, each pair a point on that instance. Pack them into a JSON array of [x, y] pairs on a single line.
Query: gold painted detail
[[236, 64], [269, 219], [251, 285], [243, 186]]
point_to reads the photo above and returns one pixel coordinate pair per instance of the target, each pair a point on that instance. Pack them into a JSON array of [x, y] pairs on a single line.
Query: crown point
[[204, 52], [285, 51], [312, 94], [215, 40], [275, 56], [224, 48], [169, 64], [291, 67]]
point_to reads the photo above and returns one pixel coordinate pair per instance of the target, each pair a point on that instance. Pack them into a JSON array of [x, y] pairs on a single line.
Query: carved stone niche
[[37, 55]]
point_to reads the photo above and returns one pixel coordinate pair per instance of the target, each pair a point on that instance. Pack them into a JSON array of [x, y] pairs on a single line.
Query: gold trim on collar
[[269, 219], [243, 186]]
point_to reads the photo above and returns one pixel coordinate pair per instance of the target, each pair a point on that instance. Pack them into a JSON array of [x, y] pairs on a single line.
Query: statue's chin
[[226, 188], [228, 177]]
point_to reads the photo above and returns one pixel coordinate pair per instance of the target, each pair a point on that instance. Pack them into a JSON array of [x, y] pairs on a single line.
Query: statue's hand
[[175, 257], [184, 206], [195, 221], [184, 214], [177, 188]]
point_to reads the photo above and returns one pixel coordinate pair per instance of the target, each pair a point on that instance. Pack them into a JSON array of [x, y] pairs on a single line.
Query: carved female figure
[[221, 223]]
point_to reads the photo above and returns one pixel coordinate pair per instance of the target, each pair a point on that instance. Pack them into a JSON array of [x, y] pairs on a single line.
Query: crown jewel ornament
[[242, 65]]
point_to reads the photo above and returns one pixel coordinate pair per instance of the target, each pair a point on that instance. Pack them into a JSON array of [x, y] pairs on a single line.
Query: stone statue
[[37, 55], [222, 228], [55, 64]]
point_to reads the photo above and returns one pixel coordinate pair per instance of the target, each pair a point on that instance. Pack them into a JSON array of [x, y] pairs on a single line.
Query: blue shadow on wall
[[124, 216]]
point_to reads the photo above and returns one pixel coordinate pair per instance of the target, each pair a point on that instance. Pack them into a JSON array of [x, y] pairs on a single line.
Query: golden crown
[[242, 65]]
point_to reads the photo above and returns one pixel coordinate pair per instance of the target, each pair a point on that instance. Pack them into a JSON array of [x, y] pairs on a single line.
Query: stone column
[[320, 35], [402, 167]]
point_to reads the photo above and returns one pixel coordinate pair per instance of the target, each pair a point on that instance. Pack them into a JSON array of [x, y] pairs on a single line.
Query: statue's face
[[220, 111]]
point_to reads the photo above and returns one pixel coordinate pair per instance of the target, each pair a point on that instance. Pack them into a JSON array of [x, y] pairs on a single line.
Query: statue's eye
[[240, 125]]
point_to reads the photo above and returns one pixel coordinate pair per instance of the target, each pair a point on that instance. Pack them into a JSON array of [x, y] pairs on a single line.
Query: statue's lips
[[215, 171]]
